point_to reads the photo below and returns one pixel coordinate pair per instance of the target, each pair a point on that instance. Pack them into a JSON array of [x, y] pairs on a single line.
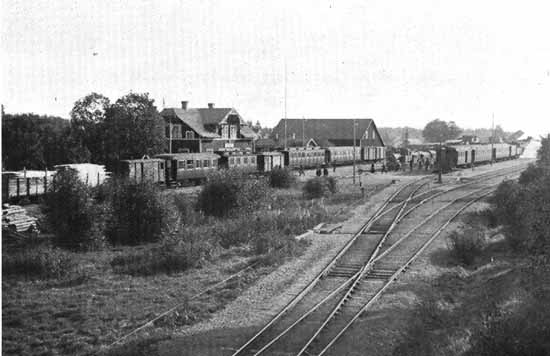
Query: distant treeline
[[98, 132]]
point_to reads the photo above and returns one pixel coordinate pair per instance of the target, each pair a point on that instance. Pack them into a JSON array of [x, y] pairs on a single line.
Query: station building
[[328, 133], [206, 129]]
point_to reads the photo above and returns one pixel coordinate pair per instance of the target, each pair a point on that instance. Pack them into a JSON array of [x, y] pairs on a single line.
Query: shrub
[[466, 246], [319, 186], [137, 212], [228, 190], [281, 178], [39, 263], [71, 214], [275, 247]]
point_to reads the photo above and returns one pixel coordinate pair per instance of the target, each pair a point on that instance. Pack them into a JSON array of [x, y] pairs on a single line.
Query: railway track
[[326, 308]]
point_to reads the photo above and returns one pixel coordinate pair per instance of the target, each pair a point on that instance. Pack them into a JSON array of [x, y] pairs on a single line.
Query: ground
[[76, 316]]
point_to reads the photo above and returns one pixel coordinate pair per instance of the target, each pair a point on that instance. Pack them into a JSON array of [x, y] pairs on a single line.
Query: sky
[[402, 63]]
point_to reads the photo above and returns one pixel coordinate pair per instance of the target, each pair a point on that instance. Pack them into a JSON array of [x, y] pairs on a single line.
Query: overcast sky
[[402, 63]]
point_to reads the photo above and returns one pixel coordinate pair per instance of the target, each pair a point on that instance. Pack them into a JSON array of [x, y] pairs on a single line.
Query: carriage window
[[198, 163], [206, 163], [231, 160], [181, 164], [238, 160], [253, 160], [245, 160], [189, 163], [161, 165]]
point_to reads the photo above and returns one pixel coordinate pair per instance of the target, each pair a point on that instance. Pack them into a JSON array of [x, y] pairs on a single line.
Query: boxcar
[[304, 157], [267, 161], [142, 170], [188, 167]]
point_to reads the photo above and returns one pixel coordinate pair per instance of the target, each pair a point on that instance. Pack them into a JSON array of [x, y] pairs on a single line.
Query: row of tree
[[99, 132]]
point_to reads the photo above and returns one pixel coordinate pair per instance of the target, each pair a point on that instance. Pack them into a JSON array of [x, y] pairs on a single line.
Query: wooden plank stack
[[15, 217]]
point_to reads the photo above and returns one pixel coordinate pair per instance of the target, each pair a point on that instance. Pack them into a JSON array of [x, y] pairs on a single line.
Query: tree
[[440, 131], [87, 117], [543, 153], [34, 142], [132, 128]]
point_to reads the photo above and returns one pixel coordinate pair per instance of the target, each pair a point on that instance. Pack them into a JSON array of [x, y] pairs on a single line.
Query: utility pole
[[285, 103], [439, 179], [354, 123], [492, 137]]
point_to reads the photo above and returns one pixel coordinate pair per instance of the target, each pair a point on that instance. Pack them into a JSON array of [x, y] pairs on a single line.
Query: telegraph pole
[[303, 132], [285, 103], [492, 138], [354, 123]]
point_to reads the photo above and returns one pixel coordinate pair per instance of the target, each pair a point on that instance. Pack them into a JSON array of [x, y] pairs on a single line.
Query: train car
[[267, 161], [373, 154], [143, 170], [342, 155], [243, 160], [188, 167], [304, 157], [446, 159]]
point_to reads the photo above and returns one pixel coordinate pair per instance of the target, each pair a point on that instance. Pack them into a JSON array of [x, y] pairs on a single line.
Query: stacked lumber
[[15, 217]]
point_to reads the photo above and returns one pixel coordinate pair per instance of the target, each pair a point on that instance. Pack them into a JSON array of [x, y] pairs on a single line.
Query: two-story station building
[[206, 129]]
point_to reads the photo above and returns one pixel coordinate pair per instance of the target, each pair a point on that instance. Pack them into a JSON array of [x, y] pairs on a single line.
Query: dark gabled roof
[[213, 115], [324, 130], [205, 120]]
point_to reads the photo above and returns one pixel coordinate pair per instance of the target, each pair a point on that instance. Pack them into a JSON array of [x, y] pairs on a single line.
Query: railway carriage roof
[[186, 156]]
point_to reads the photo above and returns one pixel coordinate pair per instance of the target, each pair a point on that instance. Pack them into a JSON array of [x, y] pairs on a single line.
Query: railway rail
[[327, 306]]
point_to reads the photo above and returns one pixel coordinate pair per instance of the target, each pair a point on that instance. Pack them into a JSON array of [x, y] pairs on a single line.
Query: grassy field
[[93, 304]]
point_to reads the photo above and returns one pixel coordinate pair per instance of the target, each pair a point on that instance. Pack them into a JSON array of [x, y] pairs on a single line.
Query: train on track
[[170, 168], [463, 156]]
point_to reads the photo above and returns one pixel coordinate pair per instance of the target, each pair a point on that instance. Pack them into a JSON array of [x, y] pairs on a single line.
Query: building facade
[[205, 129]]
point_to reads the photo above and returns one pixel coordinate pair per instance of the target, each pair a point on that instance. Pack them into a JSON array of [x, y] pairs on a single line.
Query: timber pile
[[15, 217]]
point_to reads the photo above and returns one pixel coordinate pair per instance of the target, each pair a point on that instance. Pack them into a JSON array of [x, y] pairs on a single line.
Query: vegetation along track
[[318, 311]]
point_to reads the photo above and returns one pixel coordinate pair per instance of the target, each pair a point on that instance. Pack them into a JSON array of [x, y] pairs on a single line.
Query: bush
[[137, 212], [71, 214], [466, 246], [37, 263], [319, 187], [281, 178], [228, 190]]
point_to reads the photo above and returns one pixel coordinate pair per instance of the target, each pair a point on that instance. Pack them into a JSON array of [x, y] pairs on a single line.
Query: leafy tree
[[71, 214], [543, 154], [132, 128], [439, 131], [35, 142], [87, 116]]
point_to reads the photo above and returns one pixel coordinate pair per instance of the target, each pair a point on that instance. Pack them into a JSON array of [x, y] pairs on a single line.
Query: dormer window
[[189, 135]]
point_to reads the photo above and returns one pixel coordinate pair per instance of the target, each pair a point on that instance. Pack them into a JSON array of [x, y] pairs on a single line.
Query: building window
[[232, 131], [190, 135], [238, 160], [245, 160], [206, 163], [225, 131], [176, 131], [198, 163], [189, 163], [181, 164], [231, 161]]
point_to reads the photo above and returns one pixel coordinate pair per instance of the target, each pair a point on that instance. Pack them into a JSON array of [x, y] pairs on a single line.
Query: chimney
[[184, 105], [211, 105]]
